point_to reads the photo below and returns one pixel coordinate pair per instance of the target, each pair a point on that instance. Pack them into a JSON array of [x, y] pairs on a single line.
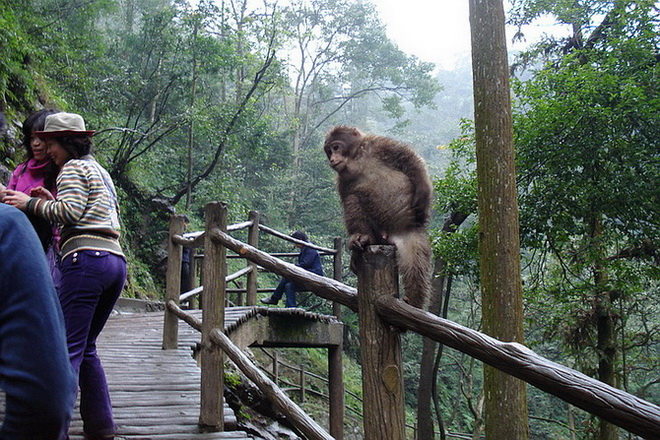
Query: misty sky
[[438, 31]]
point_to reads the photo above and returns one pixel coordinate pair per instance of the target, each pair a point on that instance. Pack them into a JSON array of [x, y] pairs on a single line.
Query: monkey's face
[[341, 146], [336, 152]]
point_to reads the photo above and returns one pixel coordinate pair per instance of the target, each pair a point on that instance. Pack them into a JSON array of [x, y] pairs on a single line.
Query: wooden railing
[[215, 298], [195, 240], [382, 317]]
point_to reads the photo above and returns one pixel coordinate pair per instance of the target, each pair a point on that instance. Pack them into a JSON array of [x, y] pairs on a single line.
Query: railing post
[[192, 303], [173, 283], [336, 391], [253, 240], [337, 272], [276, 367], [335, 357], [211, 417], [380, 344]]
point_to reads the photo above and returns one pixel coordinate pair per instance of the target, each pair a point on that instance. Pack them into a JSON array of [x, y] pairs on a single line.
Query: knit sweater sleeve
[[73, 190]]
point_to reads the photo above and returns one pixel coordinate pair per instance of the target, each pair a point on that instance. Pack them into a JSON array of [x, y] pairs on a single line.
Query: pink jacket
[[31, 174], [24, 179]]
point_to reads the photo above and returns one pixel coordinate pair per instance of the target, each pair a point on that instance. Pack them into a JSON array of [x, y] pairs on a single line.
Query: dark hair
[[300, 236], [76, 146], [34, 122]]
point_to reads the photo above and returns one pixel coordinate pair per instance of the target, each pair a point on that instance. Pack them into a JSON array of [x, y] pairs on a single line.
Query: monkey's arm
[[356, 221], [403, 158]]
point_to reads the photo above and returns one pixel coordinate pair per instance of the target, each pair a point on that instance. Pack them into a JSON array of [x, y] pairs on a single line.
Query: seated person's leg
[[277, 294], [290, 289]]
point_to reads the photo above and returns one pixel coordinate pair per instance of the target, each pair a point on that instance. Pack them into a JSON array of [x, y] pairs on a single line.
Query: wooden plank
[[155, 393]]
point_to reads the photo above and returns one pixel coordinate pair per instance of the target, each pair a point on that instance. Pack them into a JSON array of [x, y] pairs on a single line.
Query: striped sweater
[[85, 207]]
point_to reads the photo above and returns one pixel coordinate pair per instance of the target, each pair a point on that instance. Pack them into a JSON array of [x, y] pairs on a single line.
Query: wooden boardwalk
[[155, 393]]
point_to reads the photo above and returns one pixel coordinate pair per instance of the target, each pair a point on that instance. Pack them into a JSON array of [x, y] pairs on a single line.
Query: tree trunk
[[439, 305], [499, 241], [606, 345], [425, 426]]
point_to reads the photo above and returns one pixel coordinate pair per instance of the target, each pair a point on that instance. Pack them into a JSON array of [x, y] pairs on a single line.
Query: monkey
[[385, 192]]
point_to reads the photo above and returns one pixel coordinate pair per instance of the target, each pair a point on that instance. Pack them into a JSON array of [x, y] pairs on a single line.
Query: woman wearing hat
[[92, 262]]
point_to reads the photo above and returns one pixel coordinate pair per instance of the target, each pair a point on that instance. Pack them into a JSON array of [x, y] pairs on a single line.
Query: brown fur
[[385, 191]]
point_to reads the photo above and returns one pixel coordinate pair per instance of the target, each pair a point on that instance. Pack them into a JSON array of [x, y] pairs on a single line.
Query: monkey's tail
[[414, 258]]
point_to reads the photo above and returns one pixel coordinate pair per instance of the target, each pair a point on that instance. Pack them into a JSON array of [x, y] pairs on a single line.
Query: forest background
[[230, 101]]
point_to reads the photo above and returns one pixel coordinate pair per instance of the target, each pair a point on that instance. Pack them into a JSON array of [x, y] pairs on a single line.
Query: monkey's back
[[384, 196]]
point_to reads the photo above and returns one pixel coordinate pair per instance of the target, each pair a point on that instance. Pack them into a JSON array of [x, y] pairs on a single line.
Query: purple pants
[[90, 285]]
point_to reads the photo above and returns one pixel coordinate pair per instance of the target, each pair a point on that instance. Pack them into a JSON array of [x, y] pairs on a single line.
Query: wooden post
[[211, 417], [253, 240], [302, 384], [336, 391], [380, 344], [336, 357], [192, 303], [173, 284], [337, 272]]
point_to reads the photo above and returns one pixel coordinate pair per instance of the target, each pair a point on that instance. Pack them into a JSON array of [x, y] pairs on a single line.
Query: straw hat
[[64, 124]]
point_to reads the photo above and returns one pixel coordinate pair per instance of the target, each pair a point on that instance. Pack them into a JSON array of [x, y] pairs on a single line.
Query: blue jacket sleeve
[[35, 371], [310, 260]]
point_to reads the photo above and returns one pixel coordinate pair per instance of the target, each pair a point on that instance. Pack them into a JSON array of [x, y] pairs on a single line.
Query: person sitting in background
[[309, 259], [35, 372]]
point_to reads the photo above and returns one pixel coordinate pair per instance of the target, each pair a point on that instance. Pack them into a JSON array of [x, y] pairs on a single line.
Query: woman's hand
[[41, 193], [16, 198]]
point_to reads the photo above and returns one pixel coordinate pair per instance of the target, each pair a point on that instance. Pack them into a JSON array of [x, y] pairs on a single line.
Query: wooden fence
[[382, 318]]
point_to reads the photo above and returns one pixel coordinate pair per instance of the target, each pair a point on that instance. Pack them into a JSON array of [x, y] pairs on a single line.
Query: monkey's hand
[[357, 242]]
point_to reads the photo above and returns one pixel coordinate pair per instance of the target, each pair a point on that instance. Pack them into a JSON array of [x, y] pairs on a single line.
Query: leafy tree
[[341, 53], [587, 136]]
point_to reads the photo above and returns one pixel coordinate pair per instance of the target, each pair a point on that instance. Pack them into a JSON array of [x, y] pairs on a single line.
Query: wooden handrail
[[238, 274], [298, 418], [616, 406], [321, 286], [612, 404], [278, 234], [197, 290]]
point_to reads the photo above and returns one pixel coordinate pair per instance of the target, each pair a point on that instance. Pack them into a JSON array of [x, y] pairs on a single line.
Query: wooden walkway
[[155, 393]]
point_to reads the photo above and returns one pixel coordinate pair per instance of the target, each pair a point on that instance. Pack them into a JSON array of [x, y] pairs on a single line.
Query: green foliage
[[587, 133], [15, 81], [456, 192]]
